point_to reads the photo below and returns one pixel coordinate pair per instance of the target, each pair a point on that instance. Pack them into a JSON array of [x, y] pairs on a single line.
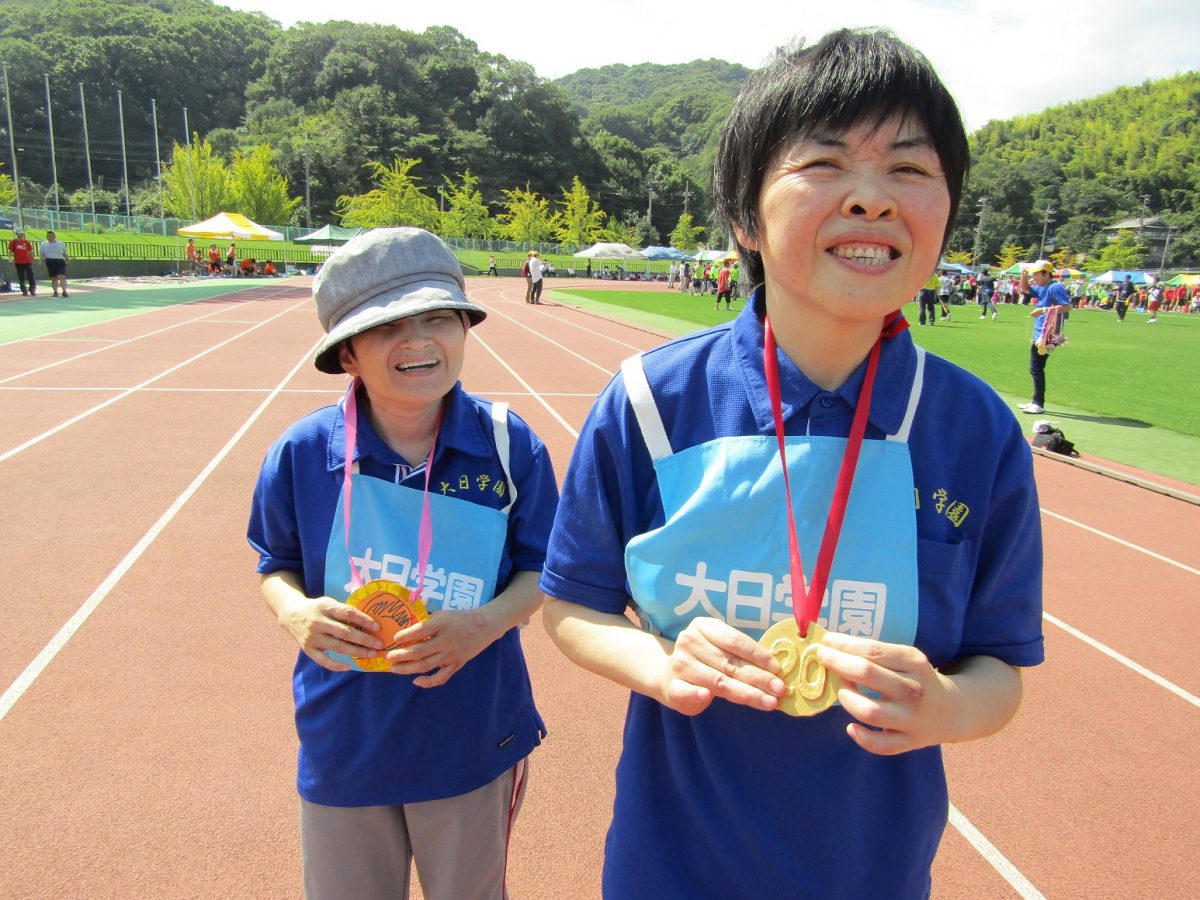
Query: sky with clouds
[[998, 57]]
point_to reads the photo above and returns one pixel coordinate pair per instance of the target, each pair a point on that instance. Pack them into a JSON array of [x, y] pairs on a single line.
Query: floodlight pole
[[124, 161], [87, 152], [50, 127], [307, 194], [1163, 265], [187, 137], [12, 146], [158, 164]]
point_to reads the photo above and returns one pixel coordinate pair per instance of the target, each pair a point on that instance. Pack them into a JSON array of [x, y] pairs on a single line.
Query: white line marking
[[998, 860], [95, 409], [1124, 543], [109, 345], [35, 668], [536, 396], [1124, 660]]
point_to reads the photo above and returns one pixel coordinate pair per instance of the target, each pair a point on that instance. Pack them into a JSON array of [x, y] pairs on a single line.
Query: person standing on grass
[[1125, 295], [436, 493], [839, 171], [927, 301], [22, 254], [1049, 299], [54, 255], [945, 289], [723, 286], [985, 285]]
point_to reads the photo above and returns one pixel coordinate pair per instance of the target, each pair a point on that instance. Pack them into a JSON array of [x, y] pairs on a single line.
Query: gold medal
[[394, 608], [811, 688]]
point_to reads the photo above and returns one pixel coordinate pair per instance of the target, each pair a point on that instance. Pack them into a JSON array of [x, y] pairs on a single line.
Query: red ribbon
[[811, 594]]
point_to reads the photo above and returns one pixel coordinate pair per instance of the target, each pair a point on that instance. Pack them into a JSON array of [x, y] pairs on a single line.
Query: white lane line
[[1122, 542], [995, 858], [111, 344], [37, 439], [35, 668], [525, 384], [1124, 660], [108, 346], [563, 321], [493, 310]]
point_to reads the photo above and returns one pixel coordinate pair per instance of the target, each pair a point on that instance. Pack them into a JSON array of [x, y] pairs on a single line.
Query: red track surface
[[153, 755]]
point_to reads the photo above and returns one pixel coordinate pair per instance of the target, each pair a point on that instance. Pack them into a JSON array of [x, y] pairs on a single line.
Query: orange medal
[[394, 608]]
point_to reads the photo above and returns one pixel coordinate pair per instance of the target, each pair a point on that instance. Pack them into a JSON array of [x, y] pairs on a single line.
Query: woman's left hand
[[441, 645], [915, 702]]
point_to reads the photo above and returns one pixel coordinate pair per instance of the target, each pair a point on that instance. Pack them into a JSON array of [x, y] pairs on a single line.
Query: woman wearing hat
[[412, 746]]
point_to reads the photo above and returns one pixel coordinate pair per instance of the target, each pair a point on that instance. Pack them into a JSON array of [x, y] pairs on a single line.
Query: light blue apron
[[384, 522], [723, 549]]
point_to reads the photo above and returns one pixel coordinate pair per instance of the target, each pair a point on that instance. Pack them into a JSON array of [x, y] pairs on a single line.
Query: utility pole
[[983, 202], [687, 194], [187, 137], [307, 193], [1163, 265], [650, 205], [1045, 226], [1142, 216], [12, 147]]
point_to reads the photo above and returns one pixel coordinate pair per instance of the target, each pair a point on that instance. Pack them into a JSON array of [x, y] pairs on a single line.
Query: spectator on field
[[21, 250], [54, 255], [1050, 300]]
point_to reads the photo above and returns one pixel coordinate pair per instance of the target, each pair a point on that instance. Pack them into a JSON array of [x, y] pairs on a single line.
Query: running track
[[145, 726]]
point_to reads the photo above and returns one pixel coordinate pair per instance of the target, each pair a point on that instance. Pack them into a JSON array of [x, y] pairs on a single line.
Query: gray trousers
[[460, 845]]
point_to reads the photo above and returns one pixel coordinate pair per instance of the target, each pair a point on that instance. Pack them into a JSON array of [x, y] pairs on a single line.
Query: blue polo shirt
[[1052, 294], [376, 739], [751, 804]]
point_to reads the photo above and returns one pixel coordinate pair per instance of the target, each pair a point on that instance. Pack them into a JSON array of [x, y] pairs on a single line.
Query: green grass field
[[1123, 391]]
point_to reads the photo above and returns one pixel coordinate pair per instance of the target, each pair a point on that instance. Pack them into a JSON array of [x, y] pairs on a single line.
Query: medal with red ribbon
[[793, 642]]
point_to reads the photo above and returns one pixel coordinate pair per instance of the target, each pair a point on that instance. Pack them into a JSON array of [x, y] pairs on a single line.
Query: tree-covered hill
[[1133, 151], [334, 100]]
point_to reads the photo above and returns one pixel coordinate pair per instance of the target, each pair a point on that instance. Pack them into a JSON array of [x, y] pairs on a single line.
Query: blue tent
[[664, 253], [957, 268]]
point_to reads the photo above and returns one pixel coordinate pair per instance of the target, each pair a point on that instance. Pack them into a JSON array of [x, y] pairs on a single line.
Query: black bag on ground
[[1048, 437]]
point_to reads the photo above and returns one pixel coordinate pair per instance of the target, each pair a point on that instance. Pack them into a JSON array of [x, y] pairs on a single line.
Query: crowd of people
[[215, 265]]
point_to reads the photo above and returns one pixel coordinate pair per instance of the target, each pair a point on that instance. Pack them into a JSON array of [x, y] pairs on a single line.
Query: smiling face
[[850, 224], [409, 363]]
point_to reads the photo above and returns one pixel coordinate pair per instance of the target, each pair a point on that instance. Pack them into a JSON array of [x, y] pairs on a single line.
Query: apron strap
[[644, 408], [500, 430], [914, 398]]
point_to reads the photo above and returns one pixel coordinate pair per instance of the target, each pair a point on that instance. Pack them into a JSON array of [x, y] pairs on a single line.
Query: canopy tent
[[230, 226], [1112, 276], [1070, 273], [610, 251], [330, 234], [960, 269], [710, 255], [664, 253], [1183, 278]]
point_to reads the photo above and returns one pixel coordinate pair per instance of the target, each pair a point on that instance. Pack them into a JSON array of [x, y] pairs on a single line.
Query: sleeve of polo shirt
[[609, 496], [537, 498], [273, 531], [1004, 615]]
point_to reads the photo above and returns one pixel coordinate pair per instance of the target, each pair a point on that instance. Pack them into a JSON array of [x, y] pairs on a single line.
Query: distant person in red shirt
[[193, 263], [269, 268], [723, 286], [214, 259], [22, 254]]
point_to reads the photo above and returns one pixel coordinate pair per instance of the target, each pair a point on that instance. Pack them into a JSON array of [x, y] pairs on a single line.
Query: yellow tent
[[230, 226]]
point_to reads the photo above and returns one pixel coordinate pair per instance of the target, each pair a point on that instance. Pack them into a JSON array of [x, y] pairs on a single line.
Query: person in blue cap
[[905, 522], [413, 745]]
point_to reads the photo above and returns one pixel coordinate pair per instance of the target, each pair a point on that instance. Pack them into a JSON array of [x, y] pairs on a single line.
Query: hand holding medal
[[395, 608]]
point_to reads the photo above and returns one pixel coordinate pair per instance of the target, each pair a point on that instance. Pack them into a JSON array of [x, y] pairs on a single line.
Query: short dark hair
[[849, 77]]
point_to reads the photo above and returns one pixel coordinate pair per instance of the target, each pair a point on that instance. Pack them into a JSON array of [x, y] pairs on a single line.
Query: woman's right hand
[[322, 624], [713, 659]]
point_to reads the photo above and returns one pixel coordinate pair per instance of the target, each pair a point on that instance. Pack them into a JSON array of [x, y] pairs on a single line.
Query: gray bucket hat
[[384, 275]]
